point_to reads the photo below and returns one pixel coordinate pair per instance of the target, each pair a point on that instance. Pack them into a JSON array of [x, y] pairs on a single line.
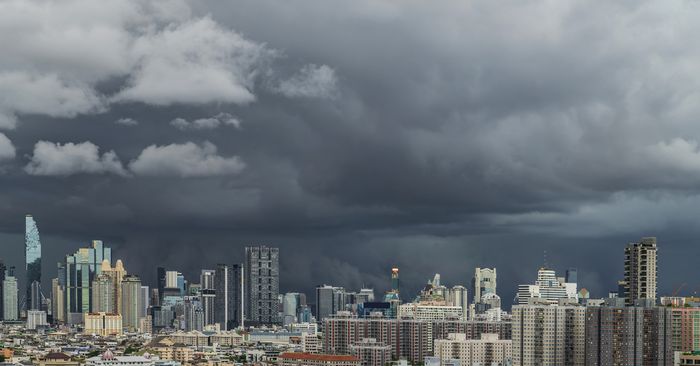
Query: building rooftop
[[317, 357]]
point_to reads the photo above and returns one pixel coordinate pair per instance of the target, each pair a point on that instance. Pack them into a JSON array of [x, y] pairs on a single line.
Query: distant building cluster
[[98, 313]]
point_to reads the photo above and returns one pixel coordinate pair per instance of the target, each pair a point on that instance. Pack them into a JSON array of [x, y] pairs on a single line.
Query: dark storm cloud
[[436, 137]]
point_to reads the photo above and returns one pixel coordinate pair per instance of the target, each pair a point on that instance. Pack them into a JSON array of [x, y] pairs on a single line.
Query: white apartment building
[[430, 311], [489, 350]]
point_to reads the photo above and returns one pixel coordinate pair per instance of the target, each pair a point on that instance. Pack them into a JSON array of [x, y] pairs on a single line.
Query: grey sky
[[354, 135]]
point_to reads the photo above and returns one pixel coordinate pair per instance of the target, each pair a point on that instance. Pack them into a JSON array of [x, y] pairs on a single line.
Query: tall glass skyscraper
[[32, 246], [81, 269]]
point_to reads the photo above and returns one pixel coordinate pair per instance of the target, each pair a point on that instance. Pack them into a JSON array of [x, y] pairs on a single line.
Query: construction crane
[[678, 289]]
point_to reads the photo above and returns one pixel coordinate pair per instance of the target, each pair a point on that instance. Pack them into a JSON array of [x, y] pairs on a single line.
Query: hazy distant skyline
[[354, 136]]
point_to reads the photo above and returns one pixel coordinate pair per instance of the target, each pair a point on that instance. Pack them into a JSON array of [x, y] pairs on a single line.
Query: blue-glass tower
[[32, 253]]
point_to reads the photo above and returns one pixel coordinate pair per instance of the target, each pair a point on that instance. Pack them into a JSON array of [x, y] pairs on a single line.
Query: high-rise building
[[102, 324], [627, 336], [685, 328], [640, 271], [57, 301], [572, 275], [103, 294], [117, 274], [228, 295], [194, 314], [36, 318], [80, 270], [370, 352], [208, 295], [144, 301], [290, 305], [395, 280], [549, 335], [329, 300], [460, 297], [160, 273], [3, 271], [262, 284], [484, 282], [548, 288], [9, 296], [488, 350], [130, 305], [32, 245]]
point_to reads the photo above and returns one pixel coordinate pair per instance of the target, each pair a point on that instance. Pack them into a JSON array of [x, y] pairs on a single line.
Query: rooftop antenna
[[545, 258]]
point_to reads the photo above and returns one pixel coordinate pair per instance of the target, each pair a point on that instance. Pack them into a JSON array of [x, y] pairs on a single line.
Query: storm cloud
[[354, 135]]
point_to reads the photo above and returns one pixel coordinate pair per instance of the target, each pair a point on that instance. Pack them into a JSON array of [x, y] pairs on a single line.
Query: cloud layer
[[436, 137]]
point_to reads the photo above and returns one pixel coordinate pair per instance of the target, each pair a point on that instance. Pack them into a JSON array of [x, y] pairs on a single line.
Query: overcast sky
[[355, 135]]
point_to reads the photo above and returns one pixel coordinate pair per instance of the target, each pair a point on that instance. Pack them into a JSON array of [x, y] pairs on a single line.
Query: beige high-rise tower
[[116, 274], [640, 271]]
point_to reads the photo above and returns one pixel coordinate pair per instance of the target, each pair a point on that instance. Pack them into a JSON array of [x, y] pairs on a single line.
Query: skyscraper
[[484, 282], [2, 279], [262, 284], [9, 299], [32, 245], [130, 293], [160, 272], [290, 305], [329, 300], [80, 270], [103, 294], [395, 280], [144, 301], [640, 271], [57, 301], [227, 303], [208, 296]]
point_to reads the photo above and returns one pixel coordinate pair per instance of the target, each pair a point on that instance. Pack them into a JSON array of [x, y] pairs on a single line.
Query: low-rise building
[[102, 324], [308, 359]]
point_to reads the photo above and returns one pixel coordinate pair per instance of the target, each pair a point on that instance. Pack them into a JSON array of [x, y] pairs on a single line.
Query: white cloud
[[56, 52], [7, 149], [127, 122], [206, 123], [49, 95], [311, 81], [195, 62], [55, 159], [677, 153], [185, 160]]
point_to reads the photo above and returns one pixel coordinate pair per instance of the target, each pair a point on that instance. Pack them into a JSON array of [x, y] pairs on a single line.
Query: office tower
[[627, 336], [57, 301], [155, 297], [488, 350], [640, 271], [32, 245], [290, 305], [80, 270], [194, 314], [549, 335], [228, 295], [144, 301], [130, 305], [547, 289], [9, 299], [262, 284], [103, 294], [36, 318], [160, 275], [35, 297], [460, 297], [365, 295], [572, 275], [208, 296], [484, 282], [329, 300]]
